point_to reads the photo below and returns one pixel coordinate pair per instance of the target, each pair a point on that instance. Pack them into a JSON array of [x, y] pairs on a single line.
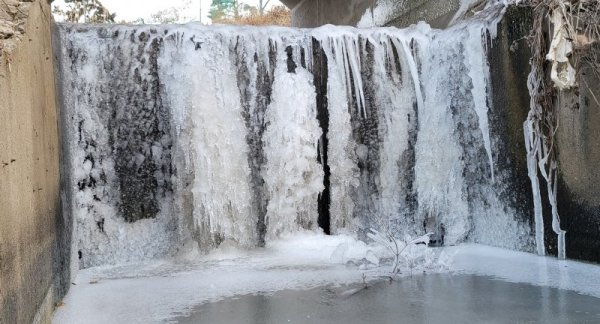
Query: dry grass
[[584, 20], [582, 23], [276, 16], [581, 18]]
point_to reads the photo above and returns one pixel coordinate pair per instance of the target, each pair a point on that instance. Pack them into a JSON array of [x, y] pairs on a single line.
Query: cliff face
[[29, 163]]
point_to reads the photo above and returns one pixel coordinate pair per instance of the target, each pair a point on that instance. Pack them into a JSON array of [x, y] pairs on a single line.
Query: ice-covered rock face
[[179, 134]]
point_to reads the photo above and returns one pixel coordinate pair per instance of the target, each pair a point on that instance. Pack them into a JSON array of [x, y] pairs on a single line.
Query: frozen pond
[[435, 298], [303, 275]]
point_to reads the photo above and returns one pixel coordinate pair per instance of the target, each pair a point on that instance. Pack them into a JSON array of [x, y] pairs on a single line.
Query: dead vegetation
[[564, 35], [276, 16], [578, 22]]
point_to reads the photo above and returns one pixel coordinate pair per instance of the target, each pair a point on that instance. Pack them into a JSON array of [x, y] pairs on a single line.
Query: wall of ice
[[192, 135]]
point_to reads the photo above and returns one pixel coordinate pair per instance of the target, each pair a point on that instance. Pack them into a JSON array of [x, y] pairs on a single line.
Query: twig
[[591, 91]]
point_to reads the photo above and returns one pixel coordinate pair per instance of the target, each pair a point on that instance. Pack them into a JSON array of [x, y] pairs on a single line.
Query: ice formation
[[191, 135], [292, 174]]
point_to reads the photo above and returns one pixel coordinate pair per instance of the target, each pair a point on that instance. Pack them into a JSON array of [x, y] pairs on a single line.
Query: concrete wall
[[578, 143], [313, 13], [509, 70], [29, 164]]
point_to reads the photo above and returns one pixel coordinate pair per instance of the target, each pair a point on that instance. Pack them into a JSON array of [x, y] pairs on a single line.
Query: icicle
[[340, 47], [353, 54], [344, 171], [479, 74], [414, 73], [308, 49], [551, 182], [548, 170], [532, 145]]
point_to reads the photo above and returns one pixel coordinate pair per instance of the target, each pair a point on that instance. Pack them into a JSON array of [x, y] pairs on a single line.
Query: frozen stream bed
[[432, 298], [298, 267]]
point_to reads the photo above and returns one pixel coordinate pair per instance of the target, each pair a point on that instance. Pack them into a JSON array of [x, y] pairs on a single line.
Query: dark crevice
[[320, 82], [291, 65]]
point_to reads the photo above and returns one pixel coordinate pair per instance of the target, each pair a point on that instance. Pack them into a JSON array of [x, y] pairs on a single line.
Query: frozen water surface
[[419, 299], [173, 290]]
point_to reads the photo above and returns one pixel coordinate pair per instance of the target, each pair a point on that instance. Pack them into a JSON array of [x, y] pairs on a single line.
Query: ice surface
[[523, 267], [156, 292], [160, 291]]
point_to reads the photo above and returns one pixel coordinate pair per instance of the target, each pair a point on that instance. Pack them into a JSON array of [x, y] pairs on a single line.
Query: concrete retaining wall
[[314, 13], [29, 164], [508, 56], [578, 143]]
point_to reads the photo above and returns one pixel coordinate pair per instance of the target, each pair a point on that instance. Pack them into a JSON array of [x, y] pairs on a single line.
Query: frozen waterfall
[[181, 136]]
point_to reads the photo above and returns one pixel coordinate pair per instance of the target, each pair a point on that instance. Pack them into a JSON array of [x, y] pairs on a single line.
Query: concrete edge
[[46, 309]]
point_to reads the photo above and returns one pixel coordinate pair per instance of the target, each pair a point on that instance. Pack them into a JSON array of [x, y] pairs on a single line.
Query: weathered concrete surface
[[438, 14], [313, 13], [578, 144], [29, 164], [508, 57]]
